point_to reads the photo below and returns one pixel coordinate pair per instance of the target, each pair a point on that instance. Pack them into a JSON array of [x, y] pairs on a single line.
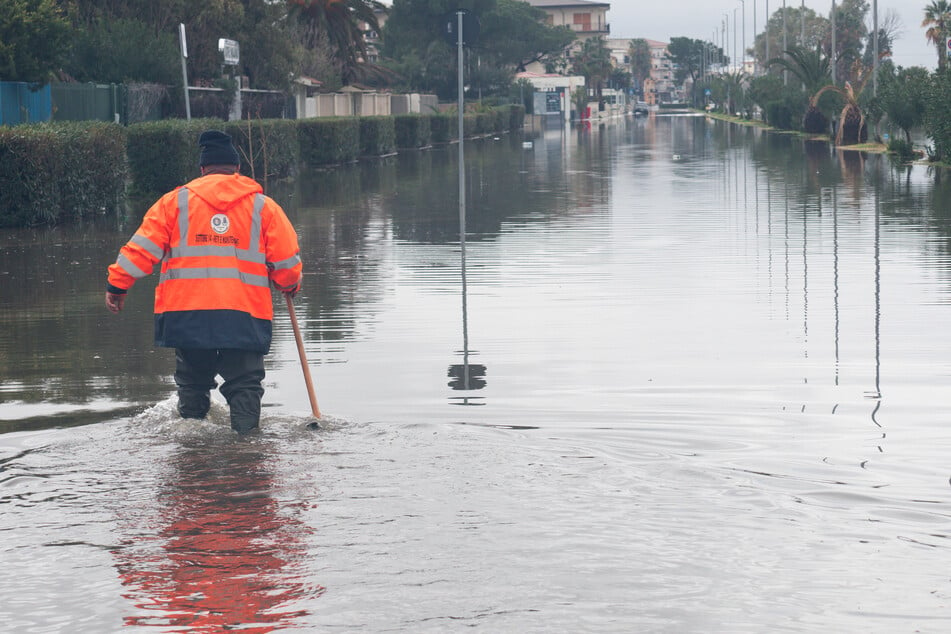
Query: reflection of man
[[221, 243], [223, 562]]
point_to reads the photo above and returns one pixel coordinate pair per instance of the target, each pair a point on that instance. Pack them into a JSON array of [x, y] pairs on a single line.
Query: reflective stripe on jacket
[[221, 244]]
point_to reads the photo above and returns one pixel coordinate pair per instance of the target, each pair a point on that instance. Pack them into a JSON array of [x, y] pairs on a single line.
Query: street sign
[[231, 51], [181, 39], [470, 28]]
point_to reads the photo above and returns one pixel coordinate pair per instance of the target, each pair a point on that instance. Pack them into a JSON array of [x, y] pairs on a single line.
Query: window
[[582, 21]]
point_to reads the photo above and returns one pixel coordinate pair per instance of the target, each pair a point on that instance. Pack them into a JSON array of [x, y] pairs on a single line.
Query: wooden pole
[[303, 358]]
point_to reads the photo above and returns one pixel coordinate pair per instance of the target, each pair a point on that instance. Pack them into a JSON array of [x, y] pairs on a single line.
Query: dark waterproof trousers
[[242, 371]]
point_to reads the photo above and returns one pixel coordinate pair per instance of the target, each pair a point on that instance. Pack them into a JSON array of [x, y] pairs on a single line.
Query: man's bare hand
[[115, 302]]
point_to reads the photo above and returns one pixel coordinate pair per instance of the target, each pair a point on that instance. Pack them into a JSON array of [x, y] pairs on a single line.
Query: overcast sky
[[699, 18]]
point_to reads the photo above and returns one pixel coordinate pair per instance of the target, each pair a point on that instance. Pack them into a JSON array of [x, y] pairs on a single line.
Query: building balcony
[[590, 29]]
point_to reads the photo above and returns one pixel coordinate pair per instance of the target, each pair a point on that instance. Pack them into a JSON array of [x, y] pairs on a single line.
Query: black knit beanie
[[216, 149]]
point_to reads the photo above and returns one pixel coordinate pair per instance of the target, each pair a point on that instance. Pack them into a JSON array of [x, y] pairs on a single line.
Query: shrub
[[53, 173], [164, 154], [779, 115], [329, 140], [269, 148], [516, 117], [443, 128], [814, 122], [902, 149], [412, 131], [377, 136], [485, 123]]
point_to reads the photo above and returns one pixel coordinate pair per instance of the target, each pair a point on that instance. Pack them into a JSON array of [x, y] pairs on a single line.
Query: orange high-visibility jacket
[[221, 243]]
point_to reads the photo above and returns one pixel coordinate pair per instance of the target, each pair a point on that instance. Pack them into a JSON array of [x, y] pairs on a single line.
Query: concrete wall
[[365, 104]]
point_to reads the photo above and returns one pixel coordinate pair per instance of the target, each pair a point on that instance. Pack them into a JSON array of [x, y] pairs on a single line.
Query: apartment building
[[586, 19]]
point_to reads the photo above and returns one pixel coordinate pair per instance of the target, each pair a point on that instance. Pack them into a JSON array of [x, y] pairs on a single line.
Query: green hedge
[[516, 117], [412, 131], [164, 154], [329, 140], [377, 136], [269, 148], [443, 128], [61, 172]]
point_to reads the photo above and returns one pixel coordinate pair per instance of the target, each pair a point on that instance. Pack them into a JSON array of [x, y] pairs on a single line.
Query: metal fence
[[128, 103], [87, 102], [20, 104]]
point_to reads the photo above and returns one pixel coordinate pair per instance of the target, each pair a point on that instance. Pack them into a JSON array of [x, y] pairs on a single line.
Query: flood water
[[695, 380]]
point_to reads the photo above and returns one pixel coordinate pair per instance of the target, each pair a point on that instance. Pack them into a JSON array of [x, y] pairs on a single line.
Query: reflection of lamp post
[[466, 376]]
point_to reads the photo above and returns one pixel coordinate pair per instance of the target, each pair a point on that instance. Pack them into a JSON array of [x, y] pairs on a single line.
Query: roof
[[555, 4]]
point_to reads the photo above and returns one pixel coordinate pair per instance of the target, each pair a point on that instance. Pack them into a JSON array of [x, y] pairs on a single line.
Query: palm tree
[[593, 61], [852, 128], [938, 19], [814, 70], [342, 24], [639, 52]]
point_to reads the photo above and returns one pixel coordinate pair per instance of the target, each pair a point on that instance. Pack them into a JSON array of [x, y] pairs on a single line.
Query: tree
[[903, 97], [639, 52], [687, 56], [593, 61], [938, 20], [850, 35], [515, 34], [137, 40], [512, 34], [33, 37], [852, 128], [888, 29], [340, 24], [816, 28], [119, 50], [813, 69]]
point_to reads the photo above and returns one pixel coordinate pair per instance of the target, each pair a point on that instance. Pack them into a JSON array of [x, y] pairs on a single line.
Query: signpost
[[184, 47], [232, 55]]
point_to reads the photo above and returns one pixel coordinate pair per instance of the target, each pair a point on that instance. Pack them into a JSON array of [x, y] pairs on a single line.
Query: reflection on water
[[716, 403], [223, 553]]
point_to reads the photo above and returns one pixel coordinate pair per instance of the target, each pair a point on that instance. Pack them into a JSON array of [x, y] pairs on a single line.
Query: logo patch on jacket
[[220, 223]]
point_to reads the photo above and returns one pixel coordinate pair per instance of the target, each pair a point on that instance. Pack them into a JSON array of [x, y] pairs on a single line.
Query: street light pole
[[754, 37], [767, 35], [735, 57], [832, 52], [743, 50], [802, 24], [875, 49], [726, 34], [785, 43]]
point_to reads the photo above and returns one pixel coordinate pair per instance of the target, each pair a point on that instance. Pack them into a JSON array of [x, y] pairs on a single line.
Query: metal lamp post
[[743, 49]]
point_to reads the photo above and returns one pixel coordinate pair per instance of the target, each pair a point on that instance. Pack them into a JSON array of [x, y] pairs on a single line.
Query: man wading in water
[[222, 244]]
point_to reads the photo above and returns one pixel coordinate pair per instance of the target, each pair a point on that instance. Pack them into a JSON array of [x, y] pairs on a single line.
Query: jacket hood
[[223, 191]]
